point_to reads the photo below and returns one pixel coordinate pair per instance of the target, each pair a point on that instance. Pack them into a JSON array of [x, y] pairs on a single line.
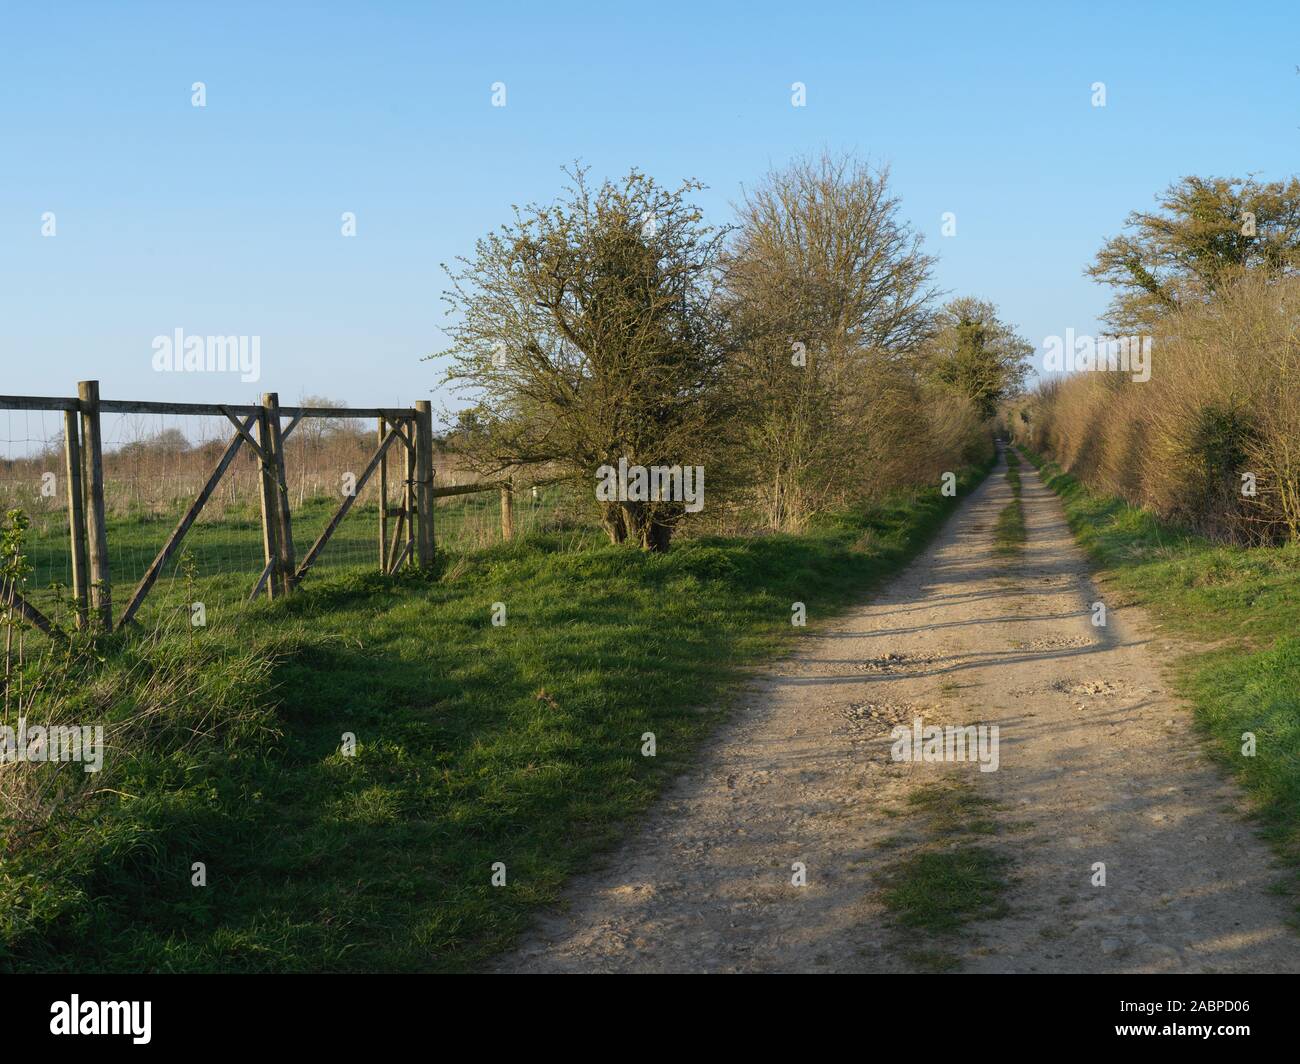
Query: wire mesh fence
[[154, 466], [160, 505], [31, 479], [185, 503]]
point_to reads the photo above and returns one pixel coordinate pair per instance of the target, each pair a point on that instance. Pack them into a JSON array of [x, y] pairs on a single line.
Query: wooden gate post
[[424, 481], [407, 554], [269, 496], [508, 510], [383, 500], [283, 520], [96, 521], [76, 515]]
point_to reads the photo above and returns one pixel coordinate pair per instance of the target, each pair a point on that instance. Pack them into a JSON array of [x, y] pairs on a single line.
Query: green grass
[[940, 891], [1009, 531], [1013, 471], [226, 553], [476, 744], [954, 810], [1244, 603], [947, 881]]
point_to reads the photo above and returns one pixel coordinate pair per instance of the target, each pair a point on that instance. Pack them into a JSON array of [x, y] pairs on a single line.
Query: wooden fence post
[[270, 517], [283, 519], [383, 501], [407, 553], [96, 521], [508, 510], [76, 515], [424, 481]]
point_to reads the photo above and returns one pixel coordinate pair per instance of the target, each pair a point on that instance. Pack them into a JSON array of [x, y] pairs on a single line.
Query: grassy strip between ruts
[[1244, 600], [1009, 532], [476, 744], [946, 879]]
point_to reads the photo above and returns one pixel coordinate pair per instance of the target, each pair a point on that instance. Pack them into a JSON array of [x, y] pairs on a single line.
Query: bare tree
[[324, 447], [318, 429], [829, 296]]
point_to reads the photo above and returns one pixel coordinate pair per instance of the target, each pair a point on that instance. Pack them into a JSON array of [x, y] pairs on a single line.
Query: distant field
[[224, 555]]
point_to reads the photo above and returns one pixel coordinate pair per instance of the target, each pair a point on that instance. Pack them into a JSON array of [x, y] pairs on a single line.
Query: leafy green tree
[[589, 331], [975, 354], [1207, 232]]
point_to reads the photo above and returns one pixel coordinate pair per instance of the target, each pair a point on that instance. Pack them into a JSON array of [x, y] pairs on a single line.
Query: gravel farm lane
[[1097, 763]]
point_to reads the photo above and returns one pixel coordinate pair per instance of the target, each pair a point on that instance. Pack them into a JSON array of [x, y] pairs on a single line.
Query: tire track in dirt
[[1098, 763]]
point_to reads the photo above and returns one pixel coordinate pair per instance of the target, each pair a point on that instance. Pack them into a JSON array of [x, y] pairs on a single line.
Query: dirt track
[[1097, 764]]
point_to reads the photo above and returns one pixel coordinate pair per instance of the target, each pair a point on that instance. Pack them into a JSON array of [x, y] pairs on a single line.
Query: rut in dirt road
[[1097, 764]]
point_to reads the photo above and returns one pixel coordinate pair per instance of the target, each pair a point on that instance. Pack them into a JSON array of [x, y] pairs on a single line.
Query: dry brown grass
[[154, 475], [1223, 401]]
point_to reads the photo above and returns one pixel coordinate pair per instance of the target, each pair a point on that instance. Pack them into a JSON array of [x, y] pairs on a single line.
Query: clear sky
[[226, 219]]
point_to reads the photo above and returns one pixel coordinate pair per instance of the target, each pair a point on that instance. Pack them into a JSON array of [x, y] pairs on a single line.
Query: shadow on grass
[[422, 746]]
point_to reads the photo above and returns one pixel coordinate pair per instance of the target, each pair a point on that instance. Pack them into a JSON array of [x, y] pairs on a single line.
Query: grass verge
[[1243, 601], [475, 744]]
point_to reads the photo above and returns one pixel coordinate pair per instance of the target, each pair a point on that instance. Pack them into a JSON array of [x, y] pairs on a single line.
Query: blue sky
[[226, 219]]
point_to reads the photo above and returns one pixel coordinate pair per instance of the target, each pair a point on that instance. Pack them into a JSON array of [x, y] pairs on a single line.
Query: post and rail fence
[[406, 531]]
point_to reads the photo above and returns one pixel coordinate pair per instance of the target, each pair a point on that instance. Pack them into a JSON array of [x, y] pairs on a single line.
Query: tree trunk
[[642, 527], [611, 520], [657, 537]]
